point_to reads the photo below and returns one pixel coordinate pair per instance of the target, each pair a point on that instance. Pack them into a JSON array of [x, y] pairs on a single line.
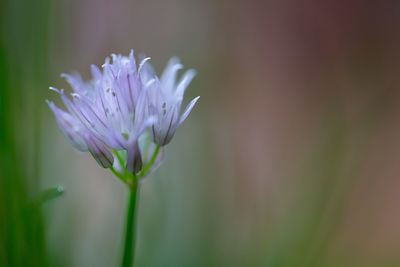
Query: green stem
[[146, 168], [133, 186], [129, 246], [116, 173]]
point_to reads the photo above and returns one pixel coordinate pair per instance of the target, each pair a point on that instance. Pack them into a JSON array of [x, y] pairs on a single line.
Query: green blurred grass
[[24, 47]]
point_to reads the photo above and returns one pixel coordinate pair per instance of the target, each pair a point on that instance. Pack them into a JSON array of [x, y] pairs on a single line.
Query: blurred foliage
[[23, 70]]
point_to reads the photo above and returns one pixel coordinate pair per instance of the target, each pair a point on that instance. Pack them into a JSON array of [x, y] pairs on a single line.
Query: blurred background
[[290, 158]]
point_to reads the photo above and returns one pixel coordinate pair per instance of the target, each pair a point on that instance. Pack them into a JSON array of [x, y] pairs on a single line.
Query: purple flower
[[114, 109], [165, 97], [109, 110]]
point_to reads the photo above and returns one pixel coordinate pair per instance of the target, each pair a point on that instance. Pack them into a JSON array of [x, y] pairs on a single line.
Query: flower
[[165, 99], [108, 110], [114, 109]]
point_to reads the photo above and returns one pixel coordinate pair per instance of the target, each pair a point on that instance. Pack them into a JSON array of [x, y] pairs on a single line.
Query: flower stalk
[[146, 168], [132, 182], [129, 244]]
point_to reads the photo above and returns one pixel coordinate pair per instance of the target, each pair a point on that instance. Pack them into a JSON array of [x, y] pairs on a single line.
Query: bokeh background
[[290, 158]]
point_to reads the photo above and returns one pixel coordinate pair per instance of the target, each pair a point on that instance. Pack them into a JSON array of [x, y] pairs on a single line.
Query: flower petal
[[70, 127], [188, 109], [168, 77], [133, 162], [142, 63], [184, 82], [96, 73], [100, 153], [76, 82]]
